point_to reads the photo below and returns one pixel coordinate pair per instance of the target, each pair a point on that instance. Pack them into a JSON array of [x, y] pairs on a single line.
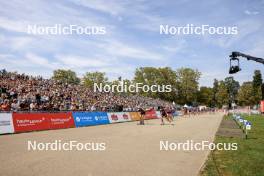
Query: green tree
[[256, 84], [232, 89], [119, 81], [205, 96], [66, 76], [246, 94], [167, 77], [187, 83], [222, 95], [90, 78], [157, 76], [147, 76], [215, 90]]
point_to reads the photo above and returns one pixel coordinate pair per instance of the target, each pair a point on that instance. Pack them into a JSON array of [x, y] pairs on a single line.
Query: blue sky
[[132, 36]]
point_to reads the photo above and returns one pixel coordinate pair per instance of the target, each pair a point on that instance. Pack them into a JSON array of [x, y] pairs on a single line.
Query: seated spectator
[[5, 106], [20, 92], [15, 106]]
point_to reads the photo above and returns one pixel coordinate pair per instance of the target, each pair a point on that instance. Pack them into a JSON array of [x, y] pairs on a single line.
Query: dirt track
[[131, 150]]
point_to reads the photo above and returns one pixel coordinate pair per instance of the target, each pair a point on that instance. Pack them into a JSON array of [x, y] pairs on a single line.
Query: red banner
[[61, 120], [151, 114], [262, 106], [41, 121], [30, 122]]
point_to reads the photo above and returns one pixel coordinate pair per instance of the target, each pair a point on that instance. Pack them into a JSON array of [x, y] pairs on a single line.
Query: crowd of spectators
[[20, 92]]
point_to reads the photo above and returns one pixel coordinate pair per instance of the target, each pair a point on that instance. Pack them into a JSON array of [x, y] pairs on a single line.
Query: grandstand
[[21, 92]]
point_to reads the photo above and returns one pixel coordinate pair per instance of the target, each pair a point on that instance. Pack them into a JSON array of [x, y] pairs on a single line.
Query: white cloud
[[245, 27], [251, 12], [35, 59], [257, 49], [15, 43], [30, 66], [132, 38], [174, 46], [74, 61], [109, 6], [13, 25], [118, 48]]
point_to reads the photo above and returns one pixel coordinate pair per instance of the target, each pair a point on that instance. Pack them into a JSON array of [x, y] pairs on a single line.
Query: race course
[[131, 149]]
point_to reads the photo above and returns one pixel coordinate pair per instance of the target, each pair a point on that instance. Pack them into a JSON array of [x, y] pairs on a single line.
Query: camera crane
[[234, 57]]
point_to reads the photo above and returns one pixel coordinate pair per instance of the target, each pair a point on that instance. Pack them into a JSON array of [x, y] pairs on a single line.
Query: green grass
[[247, 160]]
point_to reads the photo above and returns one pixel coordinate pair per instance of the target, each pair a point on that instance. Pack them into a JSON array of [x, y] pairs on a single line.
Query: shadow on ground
[[229, 128]]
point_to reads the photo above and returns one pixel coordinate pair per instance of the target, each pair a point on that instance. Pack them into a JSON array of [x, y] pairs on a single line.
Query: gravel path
[[131, 150]]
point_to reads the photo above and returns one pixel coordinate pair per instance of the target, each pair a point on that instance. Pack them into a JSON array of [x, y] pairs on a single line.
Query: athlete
[[169, 114], [165, 115], [142, 116]]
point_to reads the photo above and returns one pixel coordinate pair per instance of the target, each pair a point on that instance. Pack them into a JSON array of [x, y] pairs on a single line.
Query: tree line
[[185, 86]]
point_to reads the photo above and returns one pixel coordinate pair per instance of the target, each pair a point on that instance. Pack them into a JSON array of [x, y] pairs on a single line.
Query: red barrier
[[30, 122], [151, 114], [262, 106], [115, 117], [42, 121], [61, 120]]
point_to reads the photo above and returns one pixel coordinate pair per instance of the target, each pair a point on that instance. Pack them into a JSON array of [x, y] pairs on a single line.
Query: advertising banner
[[60, 120], [115, 117], [158, 114], [151, 114], [31, 122], [6, 123], [135, 116], [262, 106], [90, 118]]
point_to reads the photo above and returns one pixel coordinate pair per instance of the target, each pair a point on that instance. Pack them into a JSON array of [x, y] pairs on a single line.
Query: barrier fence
[[115, 117], [242, 123], [25, 122], [6, 123], [82, 119]]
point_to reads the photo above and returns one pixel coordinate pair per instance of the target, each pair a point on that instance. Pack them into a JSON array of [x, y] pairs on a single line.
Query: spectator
[[5, 105], [15, 106], [24, 93]]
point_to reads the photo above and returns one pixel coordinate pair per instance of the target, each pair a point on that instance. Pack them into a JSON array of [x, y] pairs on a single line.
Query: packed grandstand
[[21, 92]]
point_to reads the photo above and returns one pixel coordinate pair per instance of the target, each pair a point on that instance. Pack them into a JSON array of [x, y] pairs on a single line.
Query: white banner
[[115, 117], [158, 114], [6, 123]]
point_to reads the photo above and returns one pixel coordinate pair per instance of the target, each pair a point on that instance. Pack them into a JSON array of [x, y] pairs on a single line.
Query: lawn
[[247, 160]]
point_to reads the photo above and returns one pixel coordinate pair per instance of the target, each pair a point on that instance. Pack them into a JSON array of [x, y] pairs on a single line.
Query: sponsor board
[[262, 106], [61, 120], [135, 116], [90, 118], [115, 117], [30, 122], [248, 127], [158, 114], [41, 121], [175, 114], [245, 122], [6, 123], [151, 114]]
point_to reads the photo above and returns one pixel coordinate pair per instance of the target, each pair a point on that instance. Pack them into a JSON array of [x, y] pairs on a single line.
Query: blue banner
[[90, 118]]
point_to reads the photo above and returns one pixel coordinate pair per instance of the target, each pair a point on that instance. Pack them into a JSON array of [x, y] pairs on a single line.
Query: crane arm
[[238, 54]]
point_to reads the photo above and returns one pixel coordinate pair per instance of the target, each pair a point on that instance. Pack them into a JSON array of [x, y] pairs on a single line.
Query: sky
[[132, 36]]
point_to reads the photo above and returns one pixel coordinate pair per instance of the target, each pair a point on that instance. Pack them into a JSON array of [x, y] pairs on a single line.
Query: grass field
[[247, 160]]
